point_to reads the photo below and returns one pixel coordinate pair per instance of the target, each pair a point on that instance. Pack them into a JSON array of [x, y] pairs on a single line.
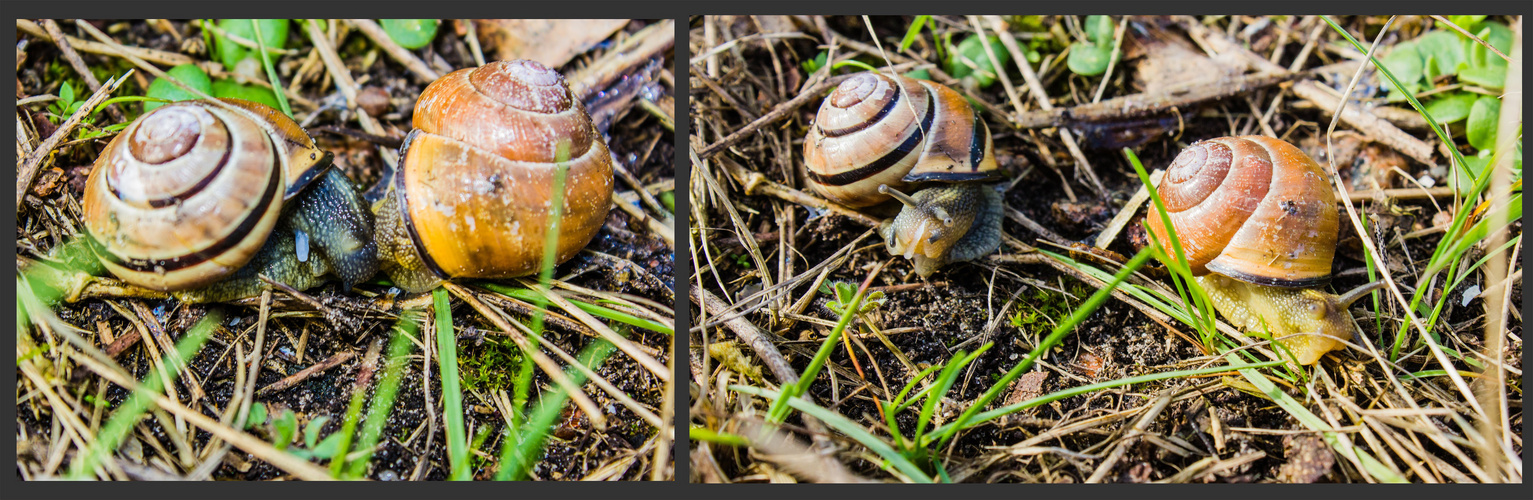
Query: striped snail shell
[[878, 137], [1252, 208], [1257, 222], [476, 180], [188, 193]]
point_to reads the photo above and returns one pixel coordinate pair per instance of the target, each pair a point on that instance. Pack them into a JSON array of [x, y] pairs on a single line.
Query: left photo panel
[[395, 249]]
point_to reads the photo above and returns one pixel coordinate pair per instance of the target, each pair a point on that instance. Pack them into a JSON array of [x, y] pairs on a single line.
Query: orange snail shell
[[876, 129], [188, 193], [477, 174], [1252, 208]]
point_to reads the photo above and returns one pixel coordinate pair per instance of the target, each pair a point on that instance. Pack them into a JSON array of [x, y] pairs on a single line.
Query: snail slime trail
[[1257, 222], [201, 198], [878, 139]]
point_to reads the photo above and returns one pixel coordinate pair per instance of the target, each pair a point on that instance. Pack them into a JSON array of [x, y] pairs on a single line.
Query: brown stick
[[1150, 103], [375, 32], [636, 50], [305, 373], [76, 62], [777, 113]]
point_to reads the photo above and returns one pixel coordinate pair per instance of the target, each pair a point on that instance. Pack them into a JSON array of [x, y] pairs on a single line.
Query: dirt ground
[[628, 262], [758, 239]]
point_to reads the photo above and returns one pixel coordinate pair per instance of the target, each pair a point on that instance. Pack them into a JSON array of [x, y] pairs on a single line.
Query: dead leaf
[[552, 42]]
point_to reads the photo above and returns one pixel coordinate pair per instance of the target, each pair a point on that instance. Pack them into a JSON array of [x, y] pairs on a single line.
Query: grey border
[[681, 286], [680, 10]]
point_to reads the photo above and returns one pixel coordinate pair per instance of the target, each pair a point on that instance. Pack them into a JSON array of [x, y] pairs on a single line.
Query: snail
[[201, 198], [474, 189], [879, 137], [1257, 222]]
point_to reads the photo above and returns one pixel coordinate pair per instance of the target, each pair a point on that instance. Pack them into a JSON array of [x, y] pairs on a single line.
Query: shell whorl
[[184, 195], [881, 130], [477, 173], [1252, 208]]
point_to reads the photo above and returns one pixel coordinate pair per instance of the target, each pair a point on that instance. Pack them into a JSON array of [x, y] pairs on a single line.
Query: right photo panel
[[1105, 249]]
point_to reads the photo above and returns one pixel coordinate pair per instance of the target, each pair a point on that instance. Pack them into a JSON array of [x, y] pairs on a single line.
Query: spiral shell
[[897, 131], [1252, 208], [475, 187], [188, 193]]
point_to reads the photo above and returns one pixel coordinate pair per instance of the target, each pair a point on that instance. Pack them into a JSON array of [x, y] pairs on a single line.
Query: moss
[[1039, 310], [490, 366]]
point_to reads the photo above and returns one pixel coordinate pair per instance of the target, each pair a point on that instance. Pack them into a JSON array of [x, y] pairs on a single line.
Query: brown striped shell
[[187, 193], [1252, 208], [475, 187], [876, 129]]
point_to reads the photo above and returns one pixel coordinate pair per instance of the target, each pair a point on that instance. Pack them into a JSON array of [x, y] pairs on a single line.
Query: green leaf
[[311, 431], [1490, 77], [1483, 120], [1405, 63], [1498, 36], [1451, 108], [970, 60], [1088, 60], [815, 64], [188, 74], [257, 415], [67, 95], [920, 74], [1466, 22], [1445, 53], [1099, 29], [410, 33], [273, 31], [286, 426], [327, 447], [229, 88]]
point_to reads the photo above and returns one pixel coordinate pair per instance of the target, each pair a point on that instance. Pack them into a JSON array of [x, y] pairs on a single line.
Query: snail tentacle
[[878, 138]]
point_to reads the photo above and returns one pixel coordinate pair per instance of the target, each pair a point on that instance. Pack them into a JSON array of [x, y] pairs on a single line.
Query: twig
[[373, 31], [158, 56], [1035, 87], [638, 49], [1138, 430], [77, 63], [304, 374], [757, 184], [777, 113]]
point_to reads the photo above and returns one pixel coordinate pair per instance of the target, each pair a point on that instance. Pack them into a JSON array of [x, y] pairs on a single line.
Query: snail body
[[1257, 222], [475, 186], [877, 137], [186, 196]]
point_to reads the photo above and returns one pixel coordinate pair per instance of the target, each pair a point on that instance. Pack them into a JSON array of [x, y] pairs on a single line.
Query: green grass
[[1456, 242], [452, 392]]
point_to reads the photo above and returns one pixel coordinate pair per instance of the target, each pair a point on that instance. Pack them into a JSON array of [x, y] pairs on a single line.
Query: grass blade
[[452, 393]]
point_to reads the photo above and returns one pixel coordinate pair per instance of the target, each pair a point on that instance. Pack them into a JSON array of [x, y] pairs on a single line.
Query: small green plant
[[970, 63], [1090, 57], [231, 52], [410, 33], [1464, 77], [842, 293]]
